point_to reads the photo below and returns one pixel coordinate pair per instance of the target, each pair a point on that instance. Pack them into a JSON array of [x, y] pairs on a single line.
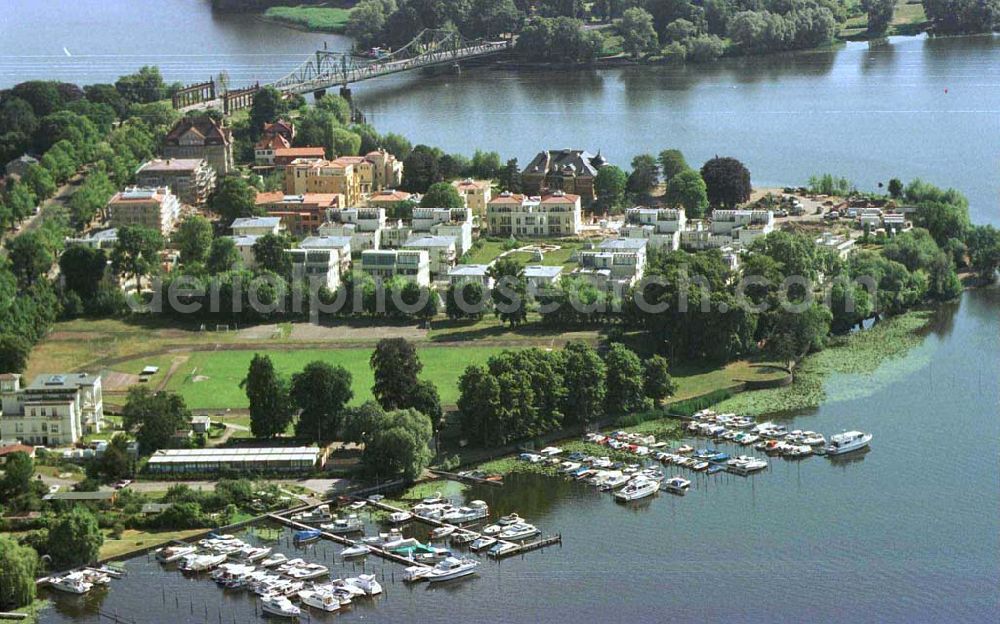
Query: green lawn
[[486, 252], [210, 380], [325, 19], [694, 380]]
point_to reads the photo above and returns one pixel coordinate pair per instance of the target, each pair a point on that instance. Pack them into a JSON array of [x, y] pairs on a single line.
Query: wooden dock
[[340, 539]]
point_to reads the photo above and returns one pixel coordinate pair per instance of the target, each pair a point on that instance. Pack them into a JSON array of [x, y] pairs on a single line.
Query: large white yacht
[[848, 441], [452, 568], [72, 583], [279, 605], [636, 489]]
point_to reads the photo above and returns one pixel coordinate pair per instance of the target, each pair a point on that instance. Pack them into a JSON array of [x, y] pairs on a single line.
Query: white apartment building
[[456, 222], [615, 260], [152, 208], [244, 244], [256, 226], [662, 227], [840, 245], [363, 225], [340, 244], [321, 264], [441, 251], [558, 214], [411, 264], [540, 276], [54, 410]]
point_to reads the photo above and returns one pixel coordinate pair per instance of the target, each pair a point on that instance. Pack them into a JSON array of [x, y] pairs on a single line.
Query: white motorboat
[[343, 526], [273, 560], [685, 449], [463, 537], [413, 574], [745, 464], [476, 510], [280, 606], [307, 571], [502, 548], [72, 583], [813, 439], [200, 563], [359, 550], [357, 505], [399, 517], [492, 529], [169, 554], [519, 531], [637, 489], [676, 485], [614, 482], [366, 583], [442, 532], [314, 516], [324, 601], [847, 442], [452, 568], [251, 553], [482, 543]]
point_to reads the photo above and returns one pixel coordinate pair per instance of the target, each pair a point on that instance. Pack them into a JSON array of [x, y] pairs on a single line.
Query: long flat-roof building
[[276, 459], [660, 226], [153, 208], [410, 264], [617, 260], [300, 213]]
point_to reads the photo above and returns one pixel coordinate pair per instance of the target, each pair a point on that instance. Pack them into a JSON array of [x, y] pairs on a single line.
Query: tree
[[21, 201], [479, 406], [399, 445], [116, 461], [234, 198], [345, 142], [609, 187], [337, 105], [142, 87], [490, 18], [426, 400], [18, 566], [442, 195], [584, 377], [269, 253], [136, 251], [510, 295], [320, 391], [222, 256], [963, 16], [75, 539], [39, 181], [510, 177], [465, 300], [895, 188], [879, 15], [657, 384], [687, 190], [638, 34], [645, 175], [193, 238], [796, 333], [397, 145], [420, 169], [624, 381], [14, 353], [18, 471], [154, 417], [366, 21], [30, 258], [359, 423], [268, 393], [984, 250], [268, 107], [671, 163], [727, 182], [396, 367]]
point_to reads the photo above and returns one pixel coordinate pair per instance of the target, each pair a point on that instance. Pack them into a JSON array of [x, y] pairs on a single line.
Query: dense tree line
[[530, 392]]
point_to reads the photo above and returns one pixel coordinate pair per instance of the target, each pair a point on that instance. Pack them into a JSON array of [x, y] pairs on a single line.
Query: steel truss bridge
[[427, 49]]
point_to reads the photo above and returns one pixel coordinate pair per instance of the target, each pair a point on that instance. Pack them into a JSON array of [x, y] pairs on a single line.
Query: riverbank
[[321, 18]]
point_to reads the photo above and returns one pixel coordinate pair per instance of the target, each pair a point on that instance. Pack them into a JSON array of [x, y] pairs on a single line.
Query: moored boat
[[676, 485], [279, 605], [169, 554], [847, 442], [452, 568], [636, 489], [442, 532]]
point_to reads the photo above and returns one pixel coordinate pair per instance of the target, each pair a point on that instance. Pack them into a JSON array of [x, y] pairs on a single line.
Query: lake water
[[913, 107], [907, 532]]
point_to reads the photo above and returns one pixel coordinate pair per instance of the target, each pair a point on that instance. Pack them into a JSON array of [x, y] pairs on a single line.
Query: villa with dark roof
[[568, 170], [201, 137]]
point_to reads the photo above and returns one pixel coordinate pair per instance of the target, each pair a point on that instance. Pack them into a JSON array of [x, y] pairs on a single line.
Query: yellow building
[[354, 177], [475, 193]]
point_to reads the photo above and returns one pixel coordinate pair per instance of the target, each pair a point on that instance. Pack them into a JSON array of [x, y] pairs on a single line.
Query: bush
[[689, 406]]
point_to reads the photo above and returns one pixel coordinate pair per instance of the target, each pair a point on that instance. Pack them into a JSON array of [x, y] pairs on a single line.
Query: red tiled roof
[[565, 198], [274, 142], [390, 196], [513, 198], [15, 448], [299, 152]]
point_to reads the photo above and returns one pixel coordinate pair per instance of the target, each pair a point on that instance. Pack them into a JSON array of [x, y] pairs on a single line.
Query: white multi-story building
[[309, 264], [152, 208], [363, 225], [660, 226], [244, 245], [540, 276], [840, 245], [340, 244], [54, 410], [456, 222], [441, 251], [615, 260], [737, 228], [256, 226], [411, 264], [558, 214]]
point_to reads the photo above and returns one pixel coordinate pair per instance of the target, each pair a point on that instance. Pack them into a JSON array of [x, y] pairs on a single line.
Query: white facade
[[616, 260], [837, 244], [153, 208], [411, 264], [555, 215], [540, 276], [455, 222], [660, 226], [364, 226], [441, 251], [54, 410], [471, 274], [256, 226], [321, 264], [244, 245], [340, 244]]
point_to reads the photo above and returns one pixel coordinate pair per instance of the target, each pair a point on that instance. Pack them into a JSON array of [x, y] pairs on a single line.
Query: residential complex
[[322, 265], [661, 227], [617, 260], [736, 228], [568, 170], [558, 214], [363, 225], [354, 177], [154, 208], [411, 264], [440, 250], [256, 226], [300, 214], [201, 137], [192, 180], [55, 409], [471, 274], [454, 222]]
